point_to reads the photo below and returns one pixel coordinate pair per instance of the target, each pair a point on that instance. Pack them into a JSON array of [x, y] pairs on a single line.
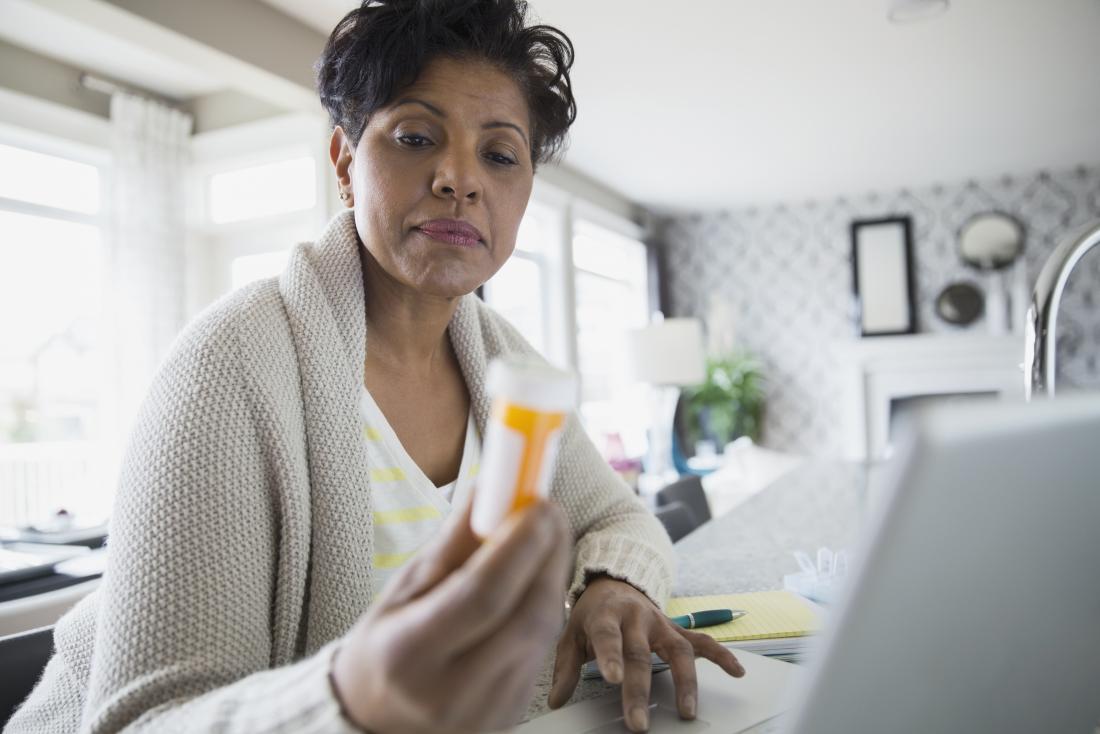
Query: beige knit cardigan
[[241, 538]]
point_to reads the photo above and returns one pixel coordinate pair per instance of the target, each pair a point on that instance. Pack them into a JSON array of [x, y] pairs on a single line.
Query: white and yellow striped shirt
[[408, 508]]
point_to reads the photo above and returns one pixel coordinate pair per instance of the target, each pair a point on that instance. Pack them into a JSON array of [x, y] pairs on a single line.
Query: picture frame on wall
[[883, 275]]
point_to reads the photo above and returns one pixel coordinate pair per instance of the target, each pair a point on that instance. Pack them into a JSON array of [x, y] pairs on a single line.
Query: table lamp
[[667, 355]]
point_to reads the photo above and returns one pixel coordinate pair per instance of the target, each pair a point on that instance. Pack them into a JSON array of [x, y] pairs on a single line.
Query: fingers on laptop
[[602, 641], [706, 647], [637, 673], [622, 654], [606, 639], [675, 650]]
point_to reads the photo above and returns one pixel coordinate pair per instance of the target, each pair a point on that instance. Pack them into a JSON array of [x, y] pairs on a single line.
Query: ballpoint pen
[[708, 618]]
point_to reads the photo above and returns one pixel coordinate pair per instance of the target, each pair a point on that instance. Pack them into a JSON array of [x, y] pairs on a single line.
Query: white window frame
[[51, 129], [64, 133], [212, 247], [565, 210], [623, 394], [558, 301], [546, 262]]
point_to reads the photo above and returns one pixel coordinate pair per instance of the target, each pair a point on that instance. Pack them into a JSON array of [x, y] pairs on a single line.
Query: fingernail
[[614, 673], [639, 718], [689, 705]]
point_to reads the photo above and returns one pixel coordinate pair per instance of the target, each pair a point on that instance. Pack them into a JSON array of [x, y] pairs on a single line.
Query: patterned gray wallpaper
[[784, 278]]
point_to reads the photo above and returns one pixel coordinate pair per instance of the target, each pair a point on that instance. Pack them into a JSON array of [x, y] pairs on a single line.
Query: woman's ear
[[340, 153]]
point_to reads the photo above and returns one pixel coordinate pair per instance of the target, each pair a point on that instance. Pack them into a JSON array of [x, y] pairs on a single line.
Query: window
[[37, 178], [255, 190], [263, 190], [247, 268], [51, 281], [574, 299], [612, 296], [519, 291]]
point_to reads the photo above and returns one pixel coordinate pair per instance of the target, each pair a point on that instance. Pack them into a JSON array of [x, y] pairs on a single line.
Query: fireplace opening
[[899, 407]]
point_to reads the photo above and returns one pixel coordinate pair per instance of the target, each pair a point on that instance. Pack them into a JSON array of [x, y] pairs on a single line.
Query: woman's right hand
[[455, 641]]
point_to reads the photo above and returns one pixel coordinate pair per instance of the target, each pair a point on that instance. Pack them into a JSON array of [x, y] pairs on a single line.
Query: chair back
[[688, 490], [25, 656], [677, 518]]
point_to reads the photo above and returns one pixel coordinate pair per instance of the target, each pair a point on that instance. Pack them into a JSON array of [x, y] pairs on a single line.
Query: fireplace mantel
[[875, 371]]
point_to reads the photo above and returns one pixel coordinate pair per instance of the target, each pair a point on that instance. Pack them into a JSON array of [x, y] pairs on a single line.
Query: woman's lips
[[452, 231]]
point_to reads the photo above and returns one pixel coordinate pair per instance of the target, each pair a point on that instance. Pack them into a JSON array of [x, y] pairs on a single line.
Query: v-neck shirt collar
[[376, 427]]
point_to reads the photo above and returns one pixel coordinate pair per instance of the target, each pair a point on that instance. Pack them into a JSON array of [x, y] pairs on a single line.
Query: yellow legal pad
[[771, 614]]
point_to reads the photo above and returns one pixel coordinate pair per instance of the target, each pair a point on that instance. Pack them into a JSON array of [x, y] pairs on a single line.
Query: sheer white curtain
[[145, 251]]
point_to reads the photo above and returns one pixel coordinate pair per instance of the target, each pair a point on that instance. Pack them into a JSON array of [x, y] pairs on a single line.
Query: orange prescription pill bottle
[[530, 402]]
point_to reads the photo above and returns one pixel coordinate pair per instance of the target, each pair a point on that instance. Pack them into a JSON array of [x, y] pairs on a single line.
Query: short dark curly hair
[[381, 47]]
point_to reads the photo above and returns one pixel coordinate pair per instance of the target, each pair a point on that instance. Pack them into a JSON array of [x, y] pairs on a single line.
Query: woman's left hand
[[619, 626]]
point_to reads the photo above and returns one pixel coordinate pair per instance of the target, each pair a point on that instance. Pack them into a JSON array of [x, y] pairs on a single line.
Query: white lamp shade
[[668, 352]]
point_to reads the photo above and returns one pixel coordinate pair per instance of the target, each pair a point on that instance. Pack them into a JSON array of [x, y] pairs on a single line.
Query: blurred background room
[[775, 224]]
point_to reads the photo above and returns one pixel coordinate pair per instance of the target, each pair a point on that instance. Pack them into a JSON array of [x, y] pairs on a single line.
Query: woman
[[307, 434]]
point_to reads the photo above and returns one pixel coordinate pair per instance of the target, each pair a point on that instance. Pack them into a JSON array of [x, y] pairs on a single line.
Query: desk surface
[[750, 548]]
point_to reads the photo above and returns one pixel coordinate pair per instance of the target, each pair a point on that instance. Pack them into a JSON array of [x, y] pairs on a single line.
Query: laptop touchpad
[[661, 719]]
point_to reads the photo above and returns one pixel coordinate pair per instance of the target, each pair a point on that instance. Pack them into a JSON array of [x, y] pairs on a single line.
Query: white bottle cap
[[532, 384]]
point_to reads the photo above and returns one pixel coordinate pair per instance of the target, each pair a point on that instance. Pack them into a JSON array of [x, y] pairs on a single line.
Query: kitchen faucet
[[1042, 314]]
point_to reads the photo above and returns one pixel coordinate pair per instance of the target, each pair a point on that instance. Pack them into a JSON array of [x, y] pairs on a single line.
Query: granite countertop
[[820, 503], [750, 548]]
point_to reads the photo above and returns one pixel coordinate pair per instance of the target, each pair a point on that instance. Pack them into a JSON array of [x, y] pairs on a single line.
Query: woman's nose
[[456, 177]]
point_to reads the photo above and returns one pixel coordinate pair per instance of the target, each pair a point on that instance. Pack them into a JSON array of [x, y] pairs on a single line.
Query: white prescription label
[[497, 477]]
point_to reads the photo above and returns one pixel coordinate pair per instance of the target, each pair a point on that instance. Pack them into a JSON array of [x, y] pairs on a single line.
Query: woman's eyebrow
[[412, 100], [501, 123], [440, 113]]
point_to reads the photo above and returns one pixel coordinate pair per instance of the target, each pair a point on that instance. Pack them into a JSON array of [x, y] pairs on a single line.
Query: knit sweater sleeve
[[183, 640], [615, 535]]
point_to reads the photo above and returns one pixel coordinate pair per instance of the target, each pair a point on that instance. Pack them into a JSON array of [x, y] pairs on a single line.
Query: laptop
[[974, 606]]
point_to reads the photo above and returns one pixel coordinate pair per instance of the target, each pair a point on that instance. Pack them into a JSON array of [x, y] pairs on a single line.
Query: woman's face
[[441, 177]]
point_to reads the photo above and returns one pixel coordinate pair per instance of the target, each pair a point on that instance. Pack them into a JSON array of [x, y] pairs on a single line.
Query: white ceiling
[[322, 15], [715, 103], [54, 34], [737, 102], [709, 104]]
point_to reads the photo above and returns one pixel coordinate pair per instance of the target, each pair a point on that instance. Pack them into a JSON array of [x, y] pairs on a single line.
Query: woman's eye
[[501, 158], [413, 140]]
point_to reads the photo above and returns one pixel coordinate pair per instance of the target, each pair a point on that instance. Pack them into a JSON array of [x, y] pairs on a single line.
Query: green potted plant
[[730, 404]]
